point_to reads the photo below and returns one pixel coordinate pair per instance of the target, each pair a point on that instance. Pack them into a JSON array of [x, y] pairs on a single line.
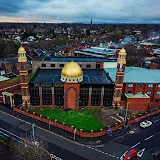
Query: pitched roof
[[137, 75]]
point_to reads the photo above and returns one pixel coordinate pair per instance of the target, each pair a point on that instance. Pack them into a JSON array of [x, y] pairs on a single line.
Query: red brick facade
[[139, 104], [144, 89], [71, 95]]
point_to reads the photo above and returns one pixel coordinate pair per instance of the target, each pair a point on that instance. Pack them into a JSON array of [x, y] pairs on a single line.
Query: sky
[[70, 11]]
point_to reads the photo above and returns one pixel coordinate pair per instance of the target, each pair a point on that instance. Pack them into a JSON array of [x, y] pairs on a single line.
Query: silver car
[[145, 124]]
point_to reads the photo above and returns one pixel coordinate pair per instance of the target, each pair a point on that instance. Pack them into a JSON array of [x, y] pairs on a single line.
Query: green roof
[[136, 75]]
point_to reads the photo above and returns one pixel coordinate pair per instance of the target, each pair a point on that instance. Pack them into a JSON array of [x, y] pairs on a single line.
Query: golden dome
[[21, 50], [72, 69], [122, 52]]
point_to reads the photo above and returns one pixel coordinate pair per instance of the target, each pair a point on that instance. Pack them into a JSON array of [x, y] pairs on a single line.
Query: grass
[[80, 119]]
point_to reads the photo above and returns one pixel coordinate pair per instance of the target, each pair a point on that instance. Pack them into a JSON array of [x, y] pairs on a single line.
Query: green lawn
[[80, 119]]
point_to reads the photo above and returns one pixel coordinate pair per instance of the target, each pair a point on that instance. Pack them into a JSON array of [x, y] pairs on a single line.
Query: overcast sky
[[101, 11]]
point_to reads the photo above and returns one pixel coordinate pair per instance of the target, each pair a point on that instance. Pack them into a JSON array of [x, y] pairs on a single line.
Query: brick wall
[[138, 104], [80, 132], [144, 89]]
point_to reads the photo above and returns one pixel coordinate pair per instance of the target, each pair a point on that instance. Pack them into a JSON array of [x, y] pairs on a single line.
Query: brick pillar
[[40, 96], [53, 101], [102, 96], [145, 88], [4, 98], [135, 88], [89, 98], [154, 92], [126, 88]]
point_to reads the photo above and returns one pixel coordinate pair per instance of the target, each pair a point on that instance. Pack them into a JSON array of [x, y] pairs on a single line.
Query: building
[[96, 52], [86, 83], [156, 52], [140, 81], [155, 63]]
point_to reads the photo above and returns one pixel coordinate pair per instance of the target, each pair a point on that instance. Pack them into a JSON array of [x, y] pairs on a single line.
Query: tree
[[30, 151], [134, 55]]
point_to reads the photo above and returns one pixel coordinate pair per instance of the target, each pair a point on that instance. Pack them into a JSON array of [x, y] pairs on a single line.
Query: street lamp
[[49, 124], [33, 135], [125, 118]]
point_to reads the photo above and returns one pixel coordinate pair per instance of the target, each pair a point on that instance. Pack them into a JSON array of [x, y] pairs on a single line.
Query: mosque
[[73, 83]]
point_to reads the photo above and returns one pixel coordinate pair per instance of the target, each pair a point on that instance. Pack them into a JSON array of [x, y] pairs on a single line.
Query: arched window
[[24, 91], [22, 66], [118, 93], [23, 78]]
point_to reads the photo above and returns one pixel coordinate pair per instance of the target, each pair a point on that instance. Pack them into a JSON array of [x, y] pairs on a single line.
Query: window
[[118, 93], [98, 66], [140, 85], [34, 96], [61, 65], [52, 65], [22, 66], [108, 96], [129, 92], [84, 93], [150, 85], [158, 92], [149, 92], [88, 66], [24, 91], [96, 97], [158, 85], [43, 65], [47, 96], [58, 95], [23, 79], [130, 85], [120, 80], [157, 100]]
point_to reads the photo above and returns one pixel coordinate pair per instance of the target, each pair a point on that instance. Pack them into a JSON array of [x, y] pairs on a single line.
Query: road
[[63, 148], [62, 145]]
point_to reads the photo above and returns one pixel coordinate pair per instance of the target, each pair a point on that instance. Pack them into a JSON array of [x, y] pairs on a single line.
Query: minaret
[[23, 72], [121, 65]]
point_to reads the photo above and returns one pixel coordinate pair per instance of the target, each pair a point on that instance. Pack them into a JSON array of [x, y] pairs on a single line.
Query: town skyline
[[68, 11]]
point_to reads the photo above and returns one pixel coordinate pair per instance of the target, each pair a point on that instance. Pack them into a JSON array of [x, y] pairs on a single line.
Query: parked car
[[129, 155], [145, 124]]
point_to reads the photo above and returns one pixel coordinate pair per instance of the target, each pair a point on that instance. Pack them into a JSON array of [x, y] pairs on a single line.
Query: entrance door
[[8, 101]]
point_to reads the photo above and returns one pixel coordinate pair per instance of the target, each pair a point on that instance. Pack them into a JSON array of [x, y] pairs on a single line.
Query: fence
[[80, 132]]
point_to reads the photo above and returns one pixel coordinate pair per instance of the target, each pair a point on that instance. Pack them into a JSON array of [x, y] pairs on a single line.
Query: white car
[[145, 124]]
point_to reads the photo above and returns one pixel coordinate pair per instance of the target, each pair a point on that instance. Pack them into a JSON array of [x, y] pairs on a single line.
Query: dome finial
[[21, 49], [122, 51]]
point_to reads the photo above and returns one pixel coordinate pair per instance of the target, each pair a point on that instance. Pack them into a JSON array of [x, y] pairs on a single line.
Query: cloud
[[130, 11]]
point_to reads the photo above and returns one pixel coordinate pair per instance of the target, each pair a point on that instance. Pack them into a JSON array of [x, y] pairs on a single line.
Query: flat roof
[[2, 78], [90, 76], [138, 95], [78, 59], [136, 75]]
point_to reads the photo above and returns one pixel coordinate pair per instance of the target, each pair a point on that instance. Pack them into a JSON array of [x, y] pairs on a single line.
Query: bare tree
[[30, 150]]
